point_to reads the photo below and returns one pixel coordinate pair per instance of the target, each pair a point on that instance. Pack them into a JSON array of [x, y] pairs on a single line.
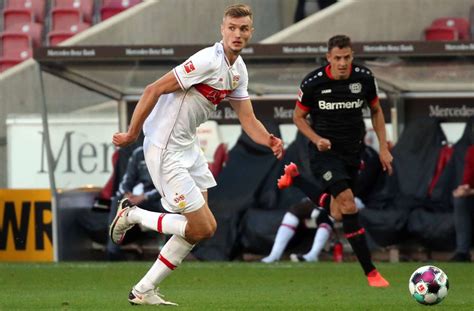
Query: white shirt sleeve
[[195, 69]]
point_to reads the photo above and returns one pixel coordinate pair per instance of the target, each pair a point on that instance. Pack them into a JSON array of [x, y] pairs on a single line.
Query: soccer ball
[[428, 285]]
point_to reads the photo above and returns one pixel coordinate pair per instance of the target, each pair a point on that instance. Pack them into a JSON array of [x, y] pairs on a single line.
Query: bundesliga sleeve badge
[[189, 67]]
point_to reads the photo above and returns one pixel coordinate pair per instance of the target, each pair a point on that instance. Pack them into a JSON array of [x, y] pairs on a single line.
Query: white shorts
[[179, 176]]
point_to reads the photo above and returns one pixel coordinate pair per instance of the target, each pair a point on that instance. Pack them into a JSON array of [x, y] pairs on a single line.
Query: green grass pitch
[[225, 286]]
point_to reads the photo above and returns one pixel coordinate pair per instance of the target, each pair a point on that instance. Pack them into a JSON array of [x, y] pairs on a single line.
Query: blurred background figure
[[464, 209], [316, 206], [137, 186], [305, 8]]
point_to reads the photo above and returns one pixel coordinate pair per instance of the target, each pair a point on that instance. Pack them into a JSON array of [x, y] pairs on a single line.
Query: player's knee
[[202, 232], [345, 203], [211, 229], [205, 233], [348, 207]]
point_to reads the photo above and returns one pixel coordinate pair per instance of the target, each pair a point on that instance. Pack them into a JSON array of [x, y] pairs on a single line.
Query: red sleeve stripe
[[166, 262], [178, 79], [302, 107], [374, 101]]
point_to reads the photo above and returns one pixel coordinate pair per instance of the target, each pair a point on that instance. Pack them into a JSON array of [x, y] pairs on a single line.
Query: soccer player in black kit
[[334, 96]]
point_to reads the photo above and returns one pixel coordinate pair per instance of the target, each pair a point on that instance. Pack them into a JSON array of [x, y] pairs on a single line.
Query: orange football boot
[[375, 279], [286, 180]]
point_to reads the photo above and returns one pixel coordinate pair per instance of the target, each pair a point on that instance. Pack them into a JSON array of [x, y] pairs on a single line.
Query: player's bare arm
[[299, 118], [378, 123], [254, 128], [164, 85]]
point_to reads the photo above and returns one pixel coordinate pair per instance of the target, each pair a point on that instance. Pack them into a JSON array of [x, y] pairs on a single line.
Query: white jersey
[[206, 78]]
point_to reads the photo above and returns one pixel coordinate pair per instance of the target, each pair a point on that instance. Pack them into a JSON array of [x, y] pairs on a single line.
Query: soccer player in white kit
[[170, 110]]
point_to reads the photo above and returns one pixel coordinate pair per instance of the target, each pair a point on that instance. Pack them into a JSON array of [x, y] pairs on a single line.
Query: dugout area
[[416, 80]]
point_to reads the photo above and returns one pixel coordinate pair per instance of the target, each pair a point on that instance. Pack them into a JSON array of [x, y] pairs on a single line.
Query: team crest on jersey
[[235, 81], [355, 88], [180, 200], [300, 95], [327, 176], [189, 66]]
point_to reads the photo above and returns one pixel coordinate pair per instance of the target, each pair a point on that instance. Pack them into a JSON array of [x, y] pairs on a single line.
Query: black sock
[[308, 187], [355, 234]]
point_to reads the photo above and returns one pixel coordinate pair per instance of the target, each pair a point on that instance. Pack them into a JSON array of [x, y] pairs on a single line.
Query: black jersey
[[335, 107]]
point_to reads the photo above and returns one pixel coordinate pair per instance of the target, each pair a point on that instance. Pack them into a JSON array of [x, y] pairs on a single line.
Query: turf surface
[[225, 286]]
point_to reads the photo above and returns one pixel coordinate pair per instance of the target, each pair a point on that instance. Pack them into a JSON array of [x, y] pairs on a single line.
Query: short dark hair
[[340, 41], [238, 10]]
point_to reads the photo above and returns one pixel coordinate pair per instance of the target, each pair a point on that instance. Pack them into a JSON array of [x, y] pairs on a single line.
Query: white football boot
[[120, 225], [151, 297]]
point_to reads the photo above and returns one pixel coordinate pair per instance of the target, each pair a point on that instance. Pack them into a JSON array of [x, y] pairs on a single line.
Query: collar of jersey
[[225, 56]]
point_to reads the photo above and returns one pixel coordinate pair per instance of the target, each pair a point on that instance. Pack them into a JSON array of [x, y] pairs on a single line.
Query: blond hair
[[238, 10]]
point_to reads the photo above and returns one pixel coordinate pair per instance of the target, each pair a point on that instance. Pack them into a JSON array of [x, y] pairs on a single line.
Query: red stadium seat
[[14, 17], [36, 6], [14, 59], [13, 43], [34, 30], [221, 155], [441, 33], [458, 23], [85, 6], [113, 7], [57, 36], [63, 19]]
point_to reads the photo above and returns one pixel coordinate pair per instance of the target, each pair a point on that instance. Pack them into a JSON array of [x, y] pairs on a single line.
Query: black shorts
[[334, 173]]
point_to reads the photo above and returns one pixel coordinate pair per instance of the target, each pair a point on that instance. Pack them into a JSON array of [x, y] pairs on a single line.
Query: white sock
[[320, 238], [161, 222], [284, 234], [171, 255]]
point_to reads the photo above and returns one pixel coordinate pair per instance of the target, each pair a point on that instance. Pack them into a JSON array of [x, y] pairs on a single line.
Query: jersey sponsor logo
[[355, 88], [213, 95], [189, 66], [300, 95], [324, 105], [328, 91], [327, 176]]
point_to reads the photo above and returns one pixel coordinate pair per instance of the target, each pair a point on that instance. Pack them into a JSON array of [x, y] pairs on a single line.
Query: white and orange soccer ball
[[428, 285]]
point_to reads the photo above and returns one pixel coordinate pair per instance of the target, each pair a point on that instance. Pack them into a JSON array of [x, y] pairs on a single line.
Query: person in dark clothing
[[333, 96], [464, 209], [301, 10], [137, 186], [317, 208]]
